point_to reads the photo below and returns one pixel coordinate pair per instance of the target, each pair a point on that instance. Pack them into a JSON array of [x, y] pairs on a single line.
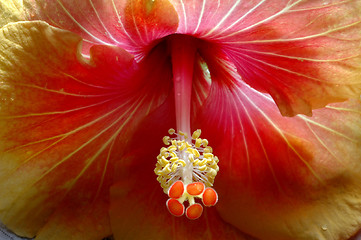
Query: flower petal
[[305, 54], [283, 178], [64, 121], [11, 11], [131, 24], [138, 204]]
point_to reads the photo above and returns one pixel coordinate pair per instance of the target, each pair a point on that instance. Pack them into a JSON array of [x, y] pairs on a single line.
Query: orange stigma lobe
[[176, 190], [175, 207], [195, 211], [210, 197], [195, 189]]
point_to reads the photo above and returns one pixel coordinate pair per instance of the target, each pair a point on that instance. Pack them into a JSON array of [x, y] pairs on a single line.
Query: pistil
[[186, 168], [183, 51]]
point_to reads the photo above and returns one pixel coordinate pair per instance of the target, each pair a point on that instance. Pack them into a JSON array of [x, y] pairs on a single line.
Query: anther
[[194, 211], [171, 131], [196, 134], [183, 134], [198, 142], [166, 140]]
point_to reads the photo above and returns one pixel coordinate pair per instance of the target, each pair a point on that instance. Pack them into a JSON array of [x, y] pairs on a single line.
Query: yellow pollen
[[166, 140], [185, 157], [196, 134], [171, 131]]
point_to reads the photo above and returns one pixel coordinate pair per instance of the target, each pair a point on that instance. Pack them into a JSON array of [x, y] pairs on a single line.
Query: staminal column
[[183, 50]]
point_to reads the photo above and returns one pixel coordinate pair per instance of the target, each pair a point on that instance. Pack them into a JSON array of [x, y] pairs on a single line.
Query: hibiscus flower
[[89, 89]]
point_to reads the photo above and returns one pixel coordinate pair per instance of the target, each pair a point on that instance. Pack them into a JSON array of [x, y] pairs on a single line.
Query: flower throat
[[186, 168]]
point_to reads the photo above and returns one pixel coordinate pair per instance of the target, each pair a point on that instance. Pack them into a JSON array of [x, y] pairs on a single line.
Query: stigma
[[186, 171]]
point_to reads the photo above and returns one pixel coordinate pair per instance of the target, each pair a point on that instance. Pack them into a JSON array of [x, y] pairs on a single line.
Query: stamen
[[181, 159]]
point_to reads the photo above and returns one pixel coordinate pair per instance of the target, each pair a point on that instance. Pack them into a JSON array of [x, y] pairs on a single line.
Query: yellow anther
[[202, 168], [163, 161], [193, 151], [173, 159], [183, 134], [181, 162], [195, 162], [183, 157], [203, 162], [196, 134], [164, 152], [173, 155], [204, 142], [208, 149], [172, 148], [183, 146], [166, 140], [198, 142], [166, 169], [212, 173], [174, 167], [171, 131]]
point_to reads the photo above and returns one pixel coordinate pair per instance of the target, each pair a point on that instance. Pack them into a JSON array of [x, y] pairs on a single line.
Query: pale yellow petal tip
[[11, 11]]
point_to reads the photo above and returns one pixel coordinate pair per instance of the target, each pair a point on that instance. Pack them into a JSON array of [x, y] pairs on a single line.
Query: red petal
[[64, 121], [279, 176], [131, 24], [306, 54]]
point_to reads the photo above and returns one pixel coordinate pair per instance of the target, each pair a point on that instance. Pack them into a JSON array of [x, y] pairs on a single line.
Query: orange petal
[[64, 120], [305, 54], [131, 24], [279, 176]]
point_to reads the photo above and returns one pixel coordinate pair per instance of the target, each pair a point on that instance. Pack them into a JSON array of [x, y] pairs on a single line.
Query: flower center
[[187, 168], [184, 170]]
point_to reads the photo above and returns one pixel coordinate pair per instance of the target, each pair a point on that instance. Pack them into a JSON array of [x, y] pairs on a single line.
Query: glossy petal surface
[[283, 178], [64, 121], [305, 54]]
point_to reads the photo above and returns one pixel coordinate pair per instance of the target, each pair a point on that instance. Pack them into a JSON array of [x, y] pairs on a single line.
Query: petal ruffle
[[305, 54], [130, 24], [11, 11], [283, 178], [64, 121]]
